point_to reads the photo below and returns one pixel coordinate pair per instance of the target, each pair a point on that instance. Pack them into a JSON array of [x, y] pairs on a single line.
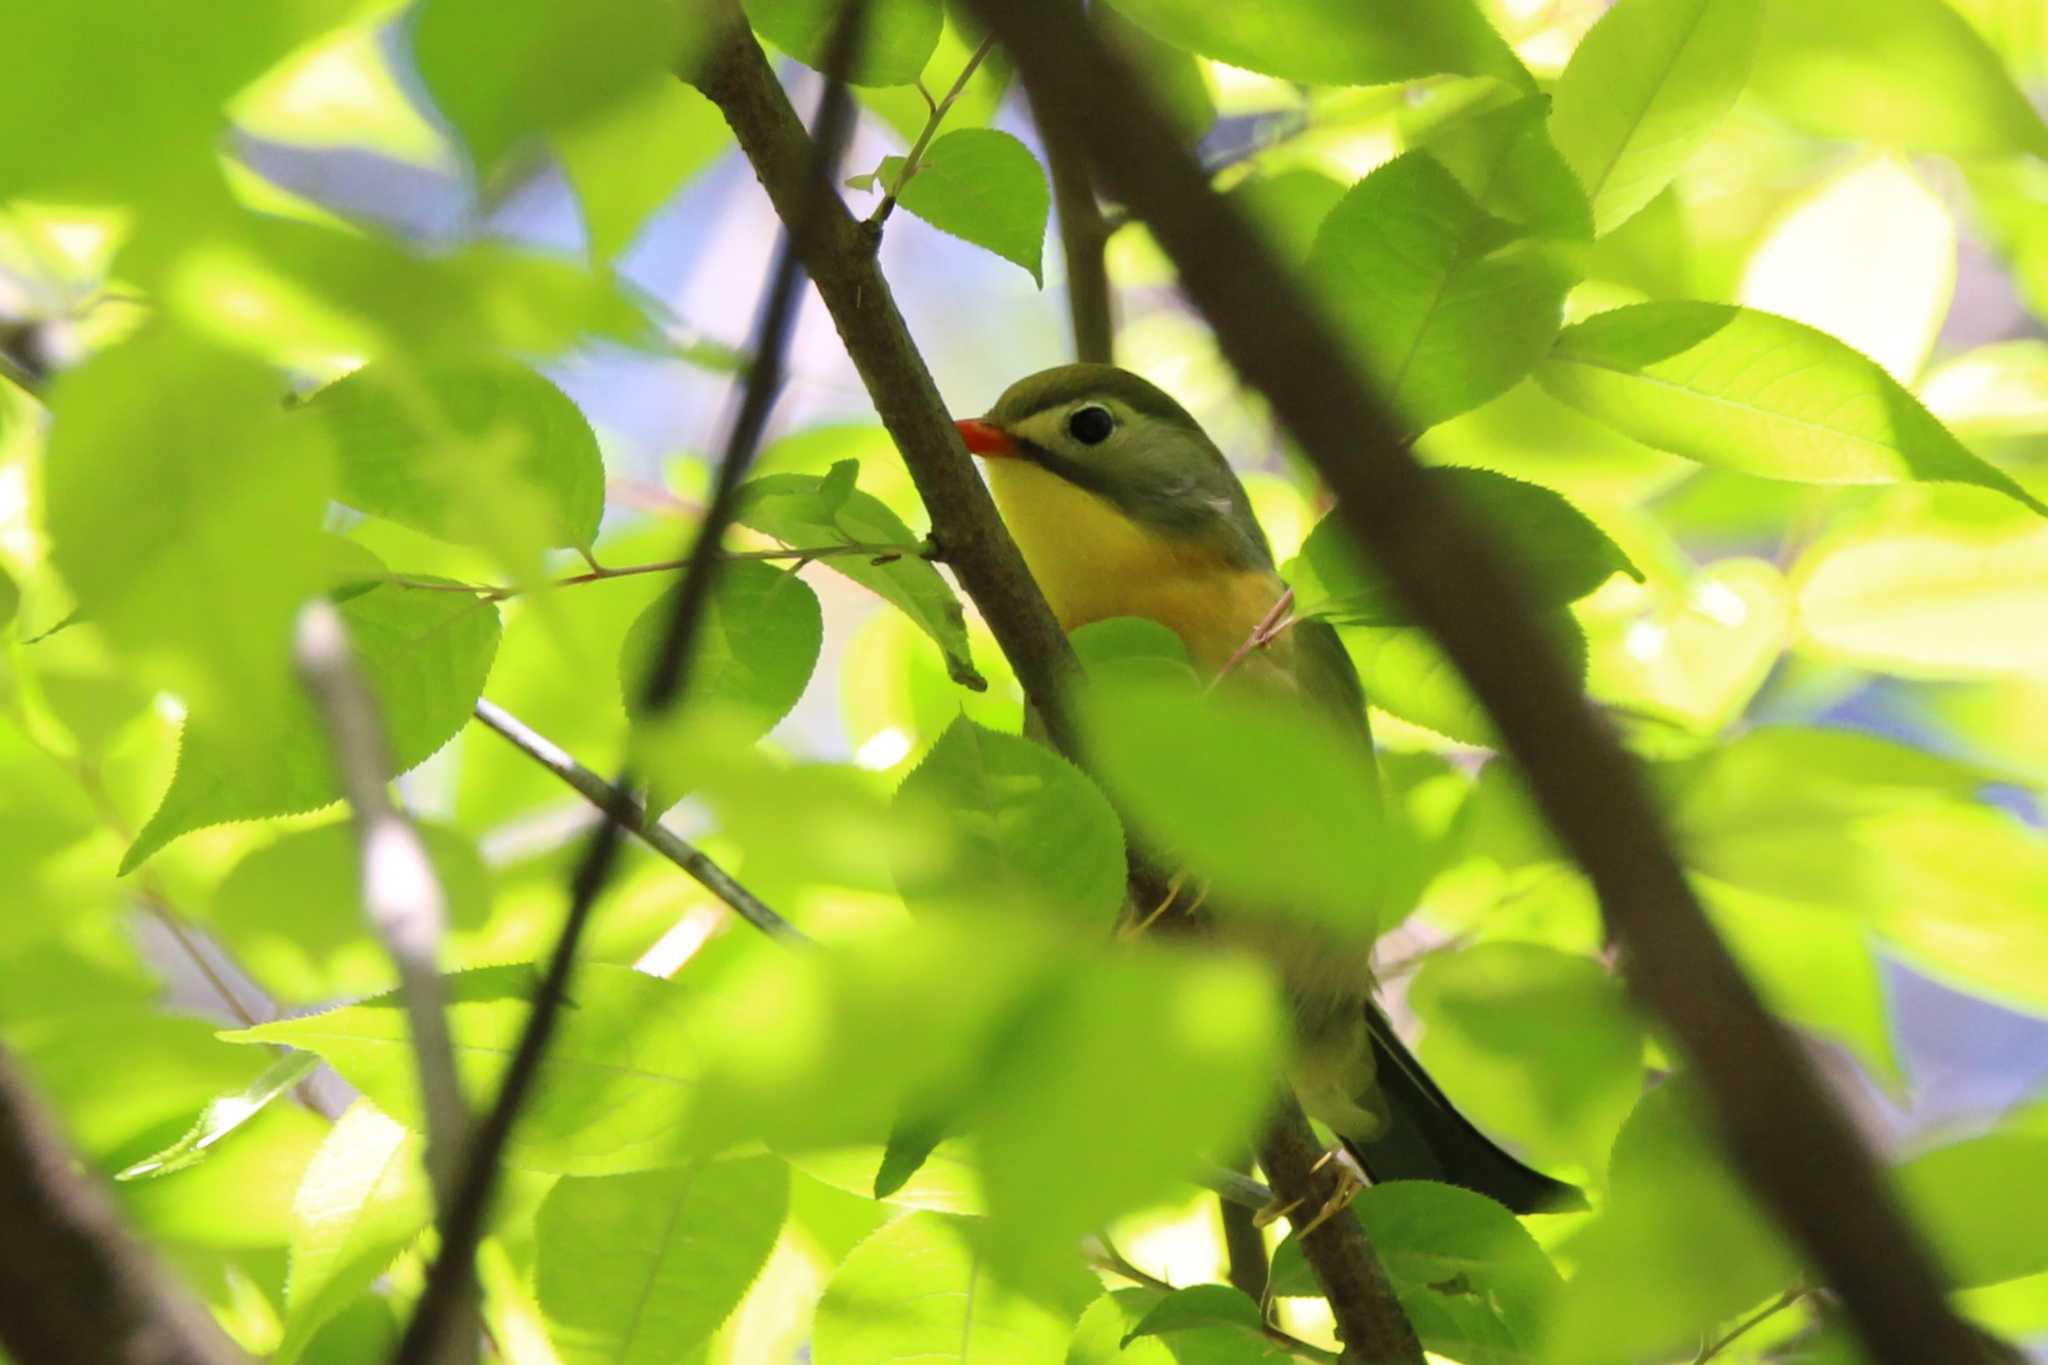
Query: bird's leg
[[1173, 890], [1351, 1178]]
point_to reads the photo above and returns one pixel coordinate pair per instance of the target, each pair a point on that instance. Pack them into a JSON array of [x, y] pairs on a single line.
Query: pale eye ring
[[1091, 425]]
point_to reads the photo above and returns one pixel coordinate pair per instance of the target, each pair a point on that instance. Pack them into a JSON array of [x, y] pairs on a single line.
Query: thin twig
[[1788, 1138], [649, 830], [496, 592], [924, 136], [79, 1289], [1771, 1309], [1269, 628], [402, 898], [666, 680]]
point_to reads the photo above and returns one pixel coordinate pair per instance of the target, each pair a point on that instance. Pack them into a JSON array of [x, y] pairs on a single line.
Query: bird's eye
[[1091, 425]]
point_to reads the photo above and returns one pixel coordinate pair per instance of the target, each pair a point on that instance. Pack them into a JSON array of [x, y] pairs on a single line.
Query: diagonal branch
[[79, 1291], [434, 1319], [1787, 1137], [840, 256]]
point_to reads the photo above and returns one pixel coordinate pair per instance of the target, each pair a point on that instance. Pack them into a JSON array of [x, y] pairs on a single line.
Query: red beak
[[986, 439]]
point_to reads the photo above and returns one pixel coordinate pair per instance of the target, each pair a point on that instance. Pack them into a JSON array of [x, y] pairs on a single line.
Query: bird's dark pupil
[[1091, 426]]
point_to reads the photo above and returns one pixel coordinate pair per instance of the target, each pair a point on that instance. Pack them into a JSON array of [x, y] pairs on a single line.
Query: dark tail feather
[[1428, 1139]]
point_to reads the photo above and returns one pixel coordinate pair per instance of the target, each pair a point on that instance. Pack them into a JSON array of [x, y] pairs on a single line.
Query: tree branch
[[1083, 236], [1786, 1136], [666, 682], [75, 1289], [623, 807], [839, 253], [1370, 1320], [401, 894]]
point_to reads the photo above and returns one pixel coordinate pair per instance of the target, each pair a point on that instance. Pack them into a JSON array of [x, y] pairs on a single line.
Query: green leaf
[[1557, 549], [480, 451], [1471, 1278], [1173, 74], [1928, 595], [627, 159], [1700, 649], [619, 1070], [806, 511], [917, 1290], [1132, 647], [1869, 258], [755, 648], [1756, 393], [1981, 1201], [1024, 822], [362, 1201], [645, 1266], [425, 656], [1331, 42], [505, 72], [292, 909], [1445, 305], [1650, 1285], [1641, 92], [10, 599], [1289, 206], [1910, 73], [224, 1115], [1538, 1046], [983, 186], [183, 511], [897, 36], [1504, 158], [910, 1146], [1405, 673], [1999, 390], [1202, 1305], [1277, 808]]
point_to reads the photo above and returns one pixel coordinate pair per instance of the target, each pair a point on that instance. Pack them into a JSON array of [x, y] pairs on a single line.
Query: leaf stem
[[1771, 1309], [924, 137], [497, 592]]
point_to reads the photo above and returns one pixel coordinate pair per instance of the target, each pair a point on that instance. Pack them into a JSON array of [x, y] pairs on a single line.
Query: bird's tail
[[1426, 1138]]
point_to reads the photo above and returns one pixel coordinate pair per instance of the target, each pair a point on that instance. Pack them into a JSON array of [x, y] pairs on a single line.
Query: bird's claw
[[1351, 1178]]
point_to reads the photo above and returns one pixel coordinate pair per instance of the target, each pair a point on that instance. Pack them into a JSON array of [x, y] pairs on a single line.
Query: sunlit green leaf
[[628, 158], [292, 910], [1289, 206], [1504, 158], [643, 1267], [1471, 1278], [1701, 647], [1445, 305], [1538, 1045], [505, 72], [806, 511], [897, 36], [983, 186], [609, 1095], [183, 512], [486, 452], [1199, 1306], [425, 656], [754, 651], [1928, 595], [1642, 89], [1869, 258], [1406, 673], [1912, 73], [1978, 1200], [1651, 1285], [1756, 393], [1173, 73], [1276, 807], [1333, 43], [1024, 822], [919, 1290], [1995, 390], [362, 1201], [223, 1116], [1558, 552]]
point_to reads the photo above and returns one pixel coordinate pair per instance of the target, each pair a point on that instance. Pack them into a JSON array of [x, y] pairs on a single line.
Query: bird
[[1121, 505]]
